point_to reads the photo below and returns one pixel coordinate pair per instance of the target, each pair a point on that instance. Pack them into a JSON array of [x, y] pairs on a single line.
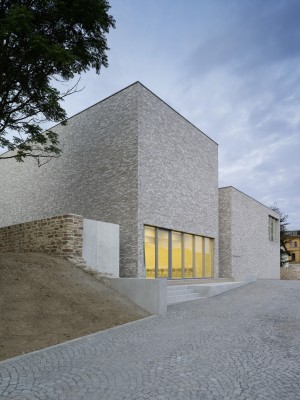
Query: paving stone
[[241, 345]]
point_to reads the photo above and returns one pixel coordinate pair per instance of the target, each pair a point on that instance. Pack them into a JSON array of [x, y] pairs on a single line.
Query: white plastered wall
[[101, 246]]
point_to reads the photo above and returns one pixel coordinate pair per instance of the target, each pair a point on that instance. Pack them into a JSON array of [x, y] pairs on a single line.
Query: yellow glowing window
[[208, 245], [150, 252], [171, 254], [199, 256], [188, 255], [163, 253], [176, 255]]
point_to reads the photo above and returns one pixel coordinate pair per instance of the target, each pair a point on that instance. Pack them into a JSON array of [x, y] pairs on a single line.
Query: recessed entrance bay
[[177, 255]]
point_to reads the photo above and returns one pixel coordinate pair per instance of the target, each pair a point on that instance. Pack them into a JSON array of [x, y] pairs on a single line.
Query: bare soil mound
[[45, 300]]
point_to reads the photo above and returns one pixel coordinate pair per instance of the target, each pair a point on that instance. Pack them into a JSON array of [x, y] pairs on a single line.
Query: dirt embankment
[[45, 300]]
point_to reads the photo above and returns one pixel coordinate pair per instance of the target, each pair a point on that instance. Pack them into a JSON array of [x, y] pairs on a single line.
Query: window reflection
[[163, 254], [199, 256], [186, 256], [208, 257], [176, 255], [150, 252]]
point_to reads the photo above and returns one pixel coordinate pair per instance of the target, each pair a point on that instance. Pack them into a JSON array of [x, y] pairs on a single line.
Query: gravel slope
[[45, 300]]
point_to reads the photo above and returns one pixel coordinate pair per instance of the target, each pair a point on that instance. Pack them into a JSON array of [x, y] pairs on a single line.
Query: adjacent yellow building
[[293, 246]]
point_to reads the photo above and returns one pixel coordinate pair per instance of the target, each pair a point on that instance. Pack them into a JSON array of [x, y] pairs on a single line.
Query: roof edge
[[245, 194]]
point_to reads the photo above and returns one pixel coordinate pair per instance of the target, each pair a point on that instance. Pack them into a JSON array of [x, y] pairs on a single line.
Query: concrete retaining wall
[[101, 246], [150, 294]]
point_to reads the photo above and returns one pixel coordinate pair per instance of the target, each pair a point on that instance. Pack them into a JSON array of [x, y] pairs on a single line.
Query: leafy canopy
[[284, 236], [42, 41]]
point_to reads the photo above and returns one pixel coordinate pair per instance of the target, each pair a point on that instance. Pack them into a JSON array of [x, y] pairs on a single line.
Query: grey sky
[[230, 67]]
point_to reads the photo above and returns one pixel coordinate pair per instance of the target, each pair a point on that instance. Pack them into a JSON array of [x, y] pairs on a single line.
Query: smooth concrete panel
[[149, 294], [101, 246]]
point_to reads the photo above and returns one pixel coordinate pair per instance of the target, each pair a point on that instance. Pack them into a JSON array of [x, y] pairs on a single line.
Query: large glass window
[[199, 257], [150, 251], [208, 245], [163, 253], [273, 228], [171, 254], [188, 255], [176, 255]]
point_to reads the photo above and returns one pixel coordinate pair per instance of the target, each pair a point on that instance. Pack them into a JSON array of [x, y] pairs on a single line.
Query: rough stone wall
[[178, 174], [61, 235], [290, 273], [96, 175], [251, 251]]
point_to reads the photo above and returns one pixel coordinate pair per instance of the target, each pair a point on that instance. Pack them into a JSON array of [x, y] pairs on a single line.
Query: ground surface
[[243, 344], [45, 300]]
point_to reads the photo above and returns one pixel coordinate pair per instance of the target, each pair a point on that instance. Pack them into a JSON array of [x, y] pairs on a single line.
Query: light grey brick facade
[[178, 174], [130, 160], [245, 248]]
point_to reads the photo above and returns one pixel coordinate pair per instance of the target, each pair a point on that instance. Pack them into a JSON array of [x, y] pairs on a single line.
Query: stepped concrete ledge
[[154, 295], [193, 291], [195, 281]]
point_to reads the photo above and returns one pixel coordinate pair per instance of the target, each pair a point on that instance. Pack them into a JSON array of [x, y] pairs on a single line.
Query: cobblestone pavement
[[243, 344]]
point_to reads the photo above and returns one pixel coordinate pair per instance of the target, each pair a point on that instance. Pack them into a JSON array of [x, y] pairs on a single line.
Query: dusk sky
[[230, 67]]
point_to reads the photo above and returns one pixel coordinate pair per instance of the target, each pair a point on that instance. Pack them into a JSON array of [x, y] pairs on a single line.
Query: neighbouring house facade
[[293, 246], [132, 160]]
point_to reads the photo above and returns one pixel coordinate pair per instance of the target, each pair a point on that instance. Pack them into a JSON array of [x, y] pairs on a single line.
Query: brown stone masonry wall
[[60, 235], [290, 273]]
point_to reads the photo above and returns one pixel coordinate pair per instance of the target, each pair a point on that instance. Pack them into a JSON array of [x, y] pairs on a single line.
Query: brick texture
[[60, 235], [130, 160], [245, 248], [177, 172]]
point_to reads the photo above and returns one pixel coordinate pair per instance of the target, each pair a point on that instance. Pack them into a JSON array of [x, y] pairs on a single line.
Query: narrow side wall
[[252, 253], [225, 245], [101, 246], [60, 235]]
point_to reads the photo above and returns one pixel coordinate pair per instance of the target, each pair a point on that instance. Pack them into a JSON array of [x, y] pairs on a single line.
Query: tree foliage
[[284, 237], [42, 41]]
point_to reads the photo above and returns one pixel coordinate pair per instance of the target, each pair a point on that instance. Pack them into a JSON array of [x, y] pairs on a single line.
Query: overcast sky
[[230, 67]]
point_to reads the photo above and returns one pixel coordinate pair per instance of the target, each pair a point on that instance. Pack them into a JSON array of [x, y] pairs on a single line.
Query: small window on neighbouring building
[[295, 244], [293, 256], [273, 224]]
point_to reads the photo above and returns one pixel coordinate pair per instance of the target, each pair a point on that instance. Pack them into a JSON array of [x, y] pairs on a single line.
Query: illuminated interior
[[163, 254], [208, 256], [199, 256], [177, 255], [150, 252], [188, 256]]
